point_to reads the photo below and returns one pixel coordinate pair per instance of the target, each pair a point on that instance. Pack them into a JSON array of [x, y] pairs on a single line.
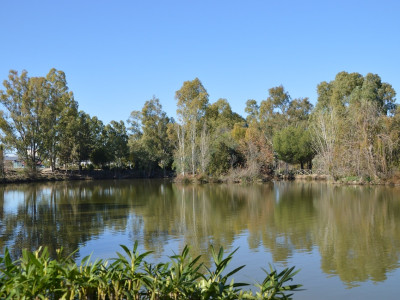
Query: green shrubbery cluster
[[36, 276]]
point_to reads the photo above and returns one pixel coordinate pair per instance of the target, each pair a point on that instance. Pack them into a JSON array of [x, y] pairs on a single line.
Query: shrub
[[36, 276]]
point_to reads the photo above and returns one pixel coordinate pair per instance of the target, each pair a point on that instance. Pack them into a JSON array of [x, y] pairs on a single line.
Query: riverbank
[[42, 175], [351, 180]]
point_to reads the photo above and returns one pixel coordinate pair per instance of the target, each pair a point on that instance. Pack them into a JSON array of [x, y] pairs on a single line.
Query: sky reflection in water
[[345, 239]]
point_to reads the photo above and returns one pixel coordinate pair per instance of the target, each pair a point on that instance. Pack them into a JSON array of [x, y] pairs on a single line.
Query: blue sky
[[118, 54]]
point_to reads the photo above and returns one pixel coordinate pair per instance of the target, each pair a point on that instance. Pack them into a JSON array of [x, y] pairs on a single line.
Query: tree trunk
[[181, 148], [193, 146], [52, 165]]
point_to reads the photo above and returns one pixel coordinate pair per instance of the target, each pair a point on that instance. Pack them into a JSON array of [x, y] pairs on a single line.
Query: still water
[[345, 239]]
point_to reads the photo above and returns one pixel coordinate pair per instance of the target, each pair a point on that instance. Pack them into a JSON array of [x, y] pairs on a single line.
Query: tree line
[[353, 130]]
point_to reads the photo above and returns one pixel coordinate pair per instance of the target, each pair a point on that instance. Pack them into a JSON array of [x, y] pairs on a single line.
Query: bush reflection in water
[[355, 229]]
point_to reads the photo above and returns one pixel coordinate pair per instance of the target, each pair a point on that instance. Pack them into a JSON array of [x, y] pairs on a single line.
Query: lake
[[345, 239]]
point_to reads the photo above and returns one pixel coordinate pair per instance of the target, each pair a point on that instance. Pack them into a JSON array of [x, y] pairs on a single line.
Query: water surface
[[345, 239]]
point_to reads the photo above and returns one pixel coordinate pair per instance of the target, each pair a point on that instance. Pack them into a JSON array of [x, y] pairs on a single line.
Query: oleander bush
[[129, 276]]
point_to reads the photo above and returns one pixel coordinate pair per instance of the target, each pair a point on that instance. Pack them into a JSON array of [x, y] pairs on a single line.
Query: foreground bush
[[36, 276]]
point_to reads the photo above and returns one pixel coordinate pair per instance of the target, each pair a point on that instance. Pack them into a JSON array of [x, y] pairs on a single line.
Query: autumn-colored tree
[[349, 126], [257, 151]]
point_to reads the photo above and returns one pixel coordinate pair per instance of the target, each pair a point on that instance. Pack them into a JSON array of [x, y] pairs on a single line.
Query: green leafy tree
[[98, 152], [59, 115], [116, 142], [138, 155], [223, 150], [273, 112], [253, 110], [21, 121], [293, 145], [38, 112], [149, 143], [299, 111], [83, 138], [154, 138]]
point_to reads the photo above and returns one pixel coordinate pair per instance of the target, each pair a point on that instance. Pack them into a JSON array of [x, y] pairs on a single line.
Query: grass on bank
[[129, 276]]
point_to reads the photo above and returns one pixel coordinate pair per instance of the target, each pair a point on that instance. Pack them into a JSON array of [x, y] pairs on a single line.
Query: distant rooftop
[[10, 157]]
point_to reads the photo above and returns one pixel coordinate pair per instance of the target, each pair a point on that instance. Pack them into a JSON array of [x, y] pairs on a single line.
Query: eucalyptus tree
[[222, 150], [116, 142], [154, 127], [1, 163], [84, 138], [36, 113], [350, 130], [134, 122], [21, 121], [137, 154], [59, 114], [273, 112], [278, 112], [98, 153], [253, 111], [149, 143], [192, 100], [67, 148], [299, 111]]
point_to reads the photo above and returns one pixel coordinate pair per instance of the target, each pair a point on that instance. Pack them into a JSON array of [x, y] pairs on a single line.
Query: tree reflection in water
[[355, 229]]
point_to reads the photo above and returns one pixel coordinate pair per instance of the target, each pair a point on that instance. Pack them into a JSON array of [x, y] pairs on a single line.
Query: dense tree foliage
[[355, 126], [354, 130], [40, 121], [294, 146], [36, 114], [223, 150], [149, 144]]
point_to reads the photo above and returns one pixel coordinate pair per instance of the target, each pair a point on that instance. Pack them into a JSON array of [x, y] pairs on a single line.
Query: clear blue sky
[[118, 54]]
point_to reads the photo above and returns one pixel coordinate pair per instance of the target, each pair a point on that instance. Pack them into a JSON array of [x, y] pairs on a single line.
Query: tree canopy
[[353, 130]]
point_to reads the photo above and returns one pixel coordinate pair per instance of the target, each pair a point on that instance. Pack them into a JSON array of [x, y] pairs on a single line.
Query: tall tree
[[22, 121], [38, 112], [152, 141], [252, 110], [192, 100], [273, 113], [223, 150], [116, 142], [98, 153], [59, 112], [84, 138], [349, 125]]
